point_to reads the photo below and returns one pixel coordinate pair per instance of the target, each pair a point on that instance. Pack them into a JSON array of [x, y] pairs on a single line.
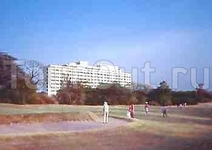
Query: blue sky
[[127, 33]]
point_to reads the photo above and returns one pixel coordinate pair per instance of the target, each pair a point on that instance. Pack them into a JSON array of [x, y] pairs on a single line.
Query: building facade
[[81, 71]]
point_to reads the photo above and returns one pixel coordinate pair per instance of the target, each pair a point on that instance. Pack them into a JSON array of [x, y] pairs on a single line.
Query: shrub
[[132, 100], [42, 99], [154, 103]]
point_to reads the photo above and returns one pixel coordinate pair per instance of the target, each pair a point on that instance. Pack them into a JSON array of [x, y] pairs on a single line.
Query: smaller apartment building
[[81, 71]]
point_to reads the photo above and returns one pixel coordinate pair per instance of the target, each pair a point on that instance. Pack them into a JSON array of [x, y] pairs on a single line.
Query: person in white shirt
[[164, 111], [105, 112]]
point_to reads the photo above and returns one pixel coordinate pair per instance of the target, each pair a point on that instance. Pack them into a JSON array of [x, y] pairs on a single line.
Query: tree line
[[115, 94], [79, 94]]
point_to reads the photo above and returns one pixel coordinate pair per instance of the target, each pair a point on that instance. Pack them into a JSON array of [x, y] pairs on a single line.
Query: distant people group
[[131, 110]]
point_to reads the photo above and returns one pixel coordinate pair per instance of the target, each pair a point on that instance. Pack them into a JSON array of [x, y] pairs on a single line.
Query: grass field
[[189, 128]]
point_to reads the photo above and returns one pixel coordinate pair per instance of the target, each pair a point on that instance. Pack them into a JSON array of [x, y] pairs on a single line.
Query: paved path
[[57, 126]]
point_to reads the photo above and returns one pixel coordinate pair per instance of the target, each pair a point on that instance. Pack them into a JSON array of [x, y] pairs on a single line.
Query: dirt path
[[57, 126]]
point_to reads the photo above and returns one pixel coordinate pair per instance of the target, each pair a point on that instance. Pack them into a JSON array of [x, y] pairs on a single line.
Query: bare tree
[[146, 88], [141, 87], [35, 71]]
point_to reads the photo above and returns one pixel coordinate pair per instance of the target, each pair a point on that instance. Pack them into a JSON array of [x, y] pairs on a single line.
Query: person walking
[[164, 111], [132, 110], [146, 107], [181, 106], [128, 114], [105, 112]]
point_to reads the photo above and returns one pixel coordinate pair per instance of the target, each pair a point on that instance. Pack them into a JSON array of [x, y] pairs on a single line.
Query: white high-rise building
[[82, 72]]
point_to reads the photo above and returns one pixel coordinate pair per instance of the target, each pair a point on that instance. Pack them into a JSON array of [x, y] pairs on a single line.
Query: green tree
[[164, 93]]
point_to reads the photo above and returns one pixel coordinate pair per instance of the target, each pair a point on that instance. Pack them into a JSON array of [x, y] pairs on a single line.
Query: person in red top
[[132, 110], [146, 108]]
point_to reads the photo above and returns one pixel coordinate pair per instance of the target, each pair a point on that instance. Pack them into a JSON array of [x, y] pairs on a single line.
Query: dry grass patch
[[163, 129], [120, 138], [48, 117]]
